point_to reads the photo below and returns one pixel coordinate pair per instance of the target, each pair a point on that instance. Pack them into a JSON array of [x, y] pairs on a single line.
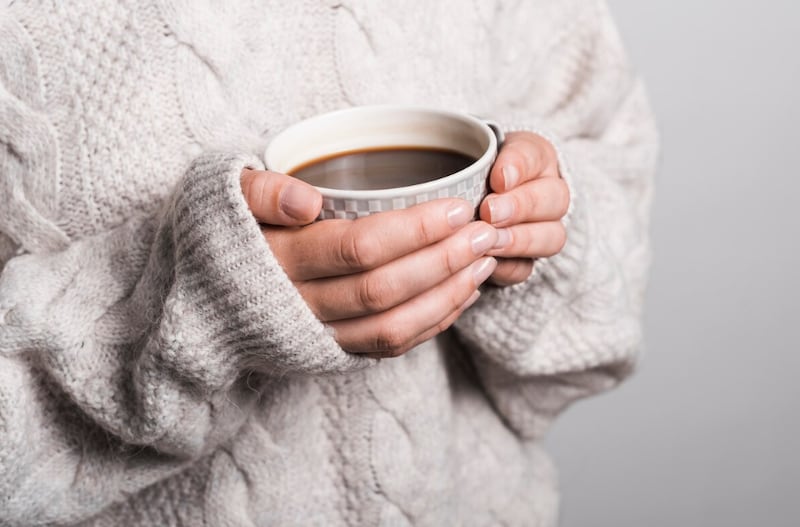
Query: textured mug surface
[[373, 127]]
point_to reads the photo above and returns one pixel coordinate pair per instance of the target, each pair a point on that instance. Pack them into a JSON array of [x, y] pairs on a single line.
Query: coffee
[[370, 159], [382, 168]]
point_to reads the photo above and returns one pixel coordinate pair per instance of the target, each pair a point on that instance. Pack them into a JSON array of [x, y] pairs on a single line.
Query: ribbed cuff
[[223, 261]]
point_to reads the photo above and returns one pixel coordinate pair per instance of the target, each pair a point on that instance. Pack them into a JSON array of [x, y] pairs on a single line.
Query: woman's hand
[[527, 202], [384, 283]]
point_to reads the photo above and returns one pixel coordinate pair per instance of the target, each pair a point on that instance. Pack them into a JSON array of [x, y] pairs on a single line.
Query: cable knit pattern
[[29, 164], [157, 366]]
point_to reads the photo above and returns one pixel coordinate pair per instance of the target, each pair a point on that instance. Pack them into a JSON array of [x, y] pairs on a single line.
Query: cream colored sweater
[[136, 288]]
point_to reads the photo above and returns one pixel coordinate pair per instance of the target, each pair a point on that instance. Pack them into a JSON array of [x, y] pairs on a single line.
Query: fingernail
[[510, 176], [297, 201], [483, 269], [482, 240], [459, 215], [500, 208], [471, 300], [503, 239]]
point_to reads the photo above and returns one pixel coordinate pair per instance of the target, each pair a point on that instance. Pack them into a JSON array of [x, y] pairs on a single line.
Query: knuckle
[[522, 270], [531, 155], [454, 303], [525, 157], [518, 154], [515, 271], [558, 240], [536, 157], [529, 242], [531, 202], [548, 150], [561, 238], [374, 294], [444, 325], [391, 340], [424, 234], [357, 251], [448, 259]]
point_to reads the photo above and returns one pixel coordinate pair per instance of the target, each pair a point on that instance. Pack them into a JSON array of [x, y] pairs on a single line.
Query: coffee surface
[[382, 168]]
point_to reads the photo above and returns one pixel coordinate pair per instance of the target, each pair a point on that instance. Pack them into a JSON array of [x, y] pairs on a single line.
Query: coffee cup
[[370, 159]]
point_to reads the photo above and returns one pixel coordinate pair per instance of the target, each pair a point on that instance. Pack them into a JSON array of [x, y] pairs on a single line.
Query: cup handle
[[498, 131]]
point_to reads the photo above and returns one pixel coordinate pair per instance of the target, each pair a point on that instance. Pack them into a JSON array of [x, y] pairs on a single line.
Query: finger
[[278, 199], [531, 240], [511, 271], [389, 285], [393, 332], [340, 247], [523, 157], [441, 327], [544, 199]]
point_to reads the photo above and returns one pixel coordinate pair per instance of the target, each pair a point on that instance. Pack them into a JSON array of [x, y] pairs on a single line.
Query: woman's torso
[[135, 90]]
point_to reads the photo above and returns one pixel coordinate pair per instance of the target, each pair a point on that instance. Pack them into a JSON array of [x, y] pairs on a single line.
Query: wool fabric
[[157, 365]]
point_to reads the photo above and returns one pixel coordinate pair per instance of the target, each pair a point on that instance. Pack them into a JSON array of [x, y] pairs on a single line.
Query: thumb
[[278, 199]]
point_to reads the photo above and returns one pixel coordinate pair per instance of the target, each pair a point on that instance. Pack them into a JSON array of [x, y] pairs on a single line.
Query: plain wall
[[707, 432]]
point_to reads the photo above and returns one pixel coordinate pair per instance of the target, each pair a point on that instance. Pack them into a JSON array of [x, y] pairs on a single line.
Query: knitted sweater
[[137, 292]]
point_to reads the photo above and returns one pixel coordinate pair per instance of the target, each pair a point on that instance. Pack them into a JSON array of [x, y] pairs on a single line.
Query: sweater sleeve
[[573, 328], [125, 356]]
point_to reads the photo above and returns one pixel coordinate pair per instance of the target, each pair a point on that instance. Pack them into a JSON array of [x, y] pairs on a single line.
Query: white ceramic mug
[[372, 127]]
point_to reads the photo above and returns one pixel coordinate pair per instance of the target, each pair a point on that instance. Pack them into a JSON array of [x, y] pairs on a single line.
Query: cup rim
[[401, 192]]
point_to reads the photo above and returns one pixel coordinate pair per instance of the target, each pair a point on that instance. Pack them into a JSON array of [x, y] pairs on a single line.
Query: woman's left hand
[[527, 200]]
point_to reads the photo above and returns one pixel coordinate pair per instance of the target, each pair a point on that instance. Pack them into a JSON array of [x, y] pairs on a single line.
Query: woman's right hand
[[384, 283]]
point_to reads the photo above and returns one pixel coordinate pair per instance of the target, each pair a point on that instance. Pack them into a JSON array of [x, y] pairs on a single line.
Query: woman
[[178, 348]]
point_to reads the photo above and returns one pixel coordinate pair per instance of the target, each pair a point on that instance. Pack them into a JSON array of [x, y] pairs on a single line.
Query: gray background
[[707, 432]]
